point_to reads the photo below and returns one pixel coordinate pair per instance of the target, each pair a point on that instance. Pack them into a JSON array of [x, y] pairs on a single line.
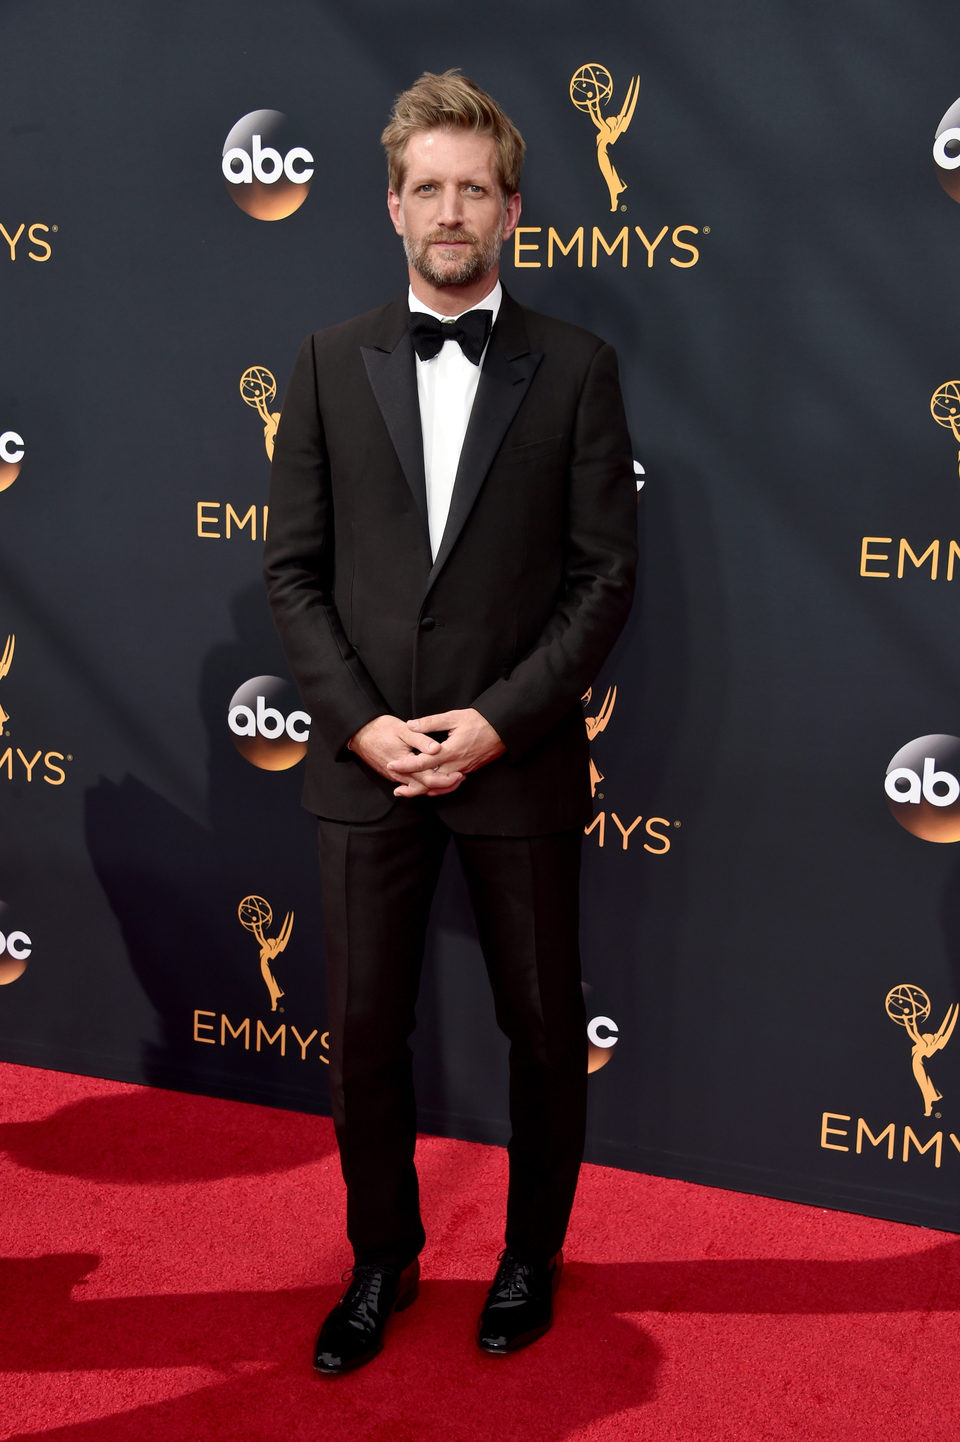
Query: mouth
[[446, 242]]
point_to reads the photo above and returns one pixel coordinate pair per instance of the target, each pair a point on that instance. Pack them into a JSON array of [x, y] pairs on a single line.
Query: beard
[[456, 267]]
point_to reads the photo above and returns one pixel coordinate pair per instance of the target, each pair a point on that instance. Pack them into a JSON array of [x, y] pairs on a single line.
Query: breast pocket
[[535, 452]]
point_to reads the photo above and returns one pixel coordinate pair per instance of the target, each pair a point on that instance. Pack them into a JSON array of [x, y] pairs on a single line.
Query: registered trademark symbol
[[281, 1008], [599, 795], [706, 230], [622, 208], [69, 758], [938, 1115], [678, 823]]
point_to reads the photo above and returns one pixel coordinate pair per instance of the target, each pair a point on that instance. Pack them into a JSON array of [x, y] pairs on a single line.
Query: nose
[[451, 207]]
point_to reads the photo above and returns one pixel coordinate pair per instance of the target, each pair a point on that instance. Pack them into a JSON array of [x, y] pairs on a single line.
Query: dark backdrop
[[776, 277]]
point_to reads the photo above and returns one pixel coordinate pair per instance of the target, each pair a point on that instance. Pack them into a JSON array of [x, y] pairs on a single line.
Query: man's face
[[451, 211]]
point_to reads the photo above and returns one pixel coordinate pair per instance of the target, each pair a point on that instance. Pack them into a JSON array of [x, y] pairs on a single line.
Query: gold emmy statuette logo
[[255, 913], [258, 388], [596, 724], [590, 86], [945, 409], [6, 661], [909, 1007]]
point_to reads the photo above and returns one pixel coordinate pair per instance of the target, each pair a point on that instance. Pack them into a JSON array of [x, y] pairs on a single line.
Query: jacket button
[[427, 624]]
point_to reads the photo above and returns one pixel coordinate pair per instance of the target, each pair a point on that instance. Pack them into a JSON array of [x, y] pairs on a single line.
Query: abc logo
[[11, 454], [267, 730], [15, 949], [265, 176], [946, 151], [602, 1037], [602, 1034], [922, 788]]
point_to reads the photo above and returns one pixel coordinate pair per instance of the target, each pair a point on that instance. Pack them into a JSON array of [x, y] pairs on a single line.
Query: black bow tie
[[471, 332]]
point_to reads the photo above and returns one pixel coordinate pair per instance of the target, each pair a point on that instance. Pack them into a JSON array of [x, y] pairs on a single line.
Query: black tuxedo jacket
[[530, 587]]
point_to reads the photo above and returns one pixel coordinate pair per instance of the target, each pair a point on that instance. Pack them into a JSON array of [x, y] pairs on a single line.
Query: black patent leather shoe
[[353, 1332], [519, 1305]]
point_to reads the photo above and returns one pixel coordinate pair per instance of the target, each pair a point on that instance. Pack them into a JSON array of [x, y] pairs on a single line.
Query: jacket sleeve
[[298, 568], [599, 572]]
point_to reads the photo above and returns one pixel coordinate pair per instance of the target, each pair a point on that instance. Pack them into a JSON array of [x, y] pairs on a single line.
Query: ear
[[393, 205], [511, 214]]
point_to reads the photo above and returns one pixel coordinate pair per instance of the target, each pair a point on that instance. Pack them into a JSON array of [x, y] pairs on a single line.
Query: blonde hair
[[451, 101]]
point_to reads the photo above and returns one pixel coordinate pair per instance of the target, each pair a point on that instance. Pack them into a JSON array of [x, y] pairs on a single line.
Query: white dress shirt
[[447, 387]]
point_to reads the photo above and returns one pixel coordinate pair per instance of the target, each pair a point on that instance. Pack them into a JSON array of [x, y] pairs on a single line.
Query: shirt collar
[[490, 302]]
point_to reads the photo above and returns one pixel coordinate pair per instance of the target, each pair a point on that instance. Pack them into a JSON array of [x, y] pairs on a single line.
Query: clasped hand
[[405, 752]]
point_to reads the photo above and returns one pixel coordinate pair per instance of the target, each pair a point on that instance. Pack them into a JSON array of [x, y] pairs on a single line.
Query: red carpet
[[166, 1260]]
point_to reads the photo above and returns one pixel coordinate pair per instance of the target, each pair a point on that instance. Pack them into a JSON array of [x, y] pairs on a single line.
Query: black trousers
[[378, 881]]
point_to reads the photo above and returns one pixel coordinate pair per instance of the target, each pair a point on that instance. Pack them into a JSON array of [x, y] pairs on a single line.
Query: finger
[[440, 722], [452, 755], [410, 791], [447, 780], [439, 781], [414, 786], [408, 765], [411, 736], [430, 783]]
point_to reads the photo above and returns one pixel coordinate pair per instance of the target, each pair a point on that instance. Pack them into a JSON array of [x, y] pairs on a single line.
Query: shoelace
[[366, 1284], [512, 1279]]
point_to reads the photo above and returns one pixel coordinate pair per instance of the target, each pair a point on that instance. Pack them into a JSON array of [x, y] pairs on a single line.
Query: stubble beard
[[459, 269]]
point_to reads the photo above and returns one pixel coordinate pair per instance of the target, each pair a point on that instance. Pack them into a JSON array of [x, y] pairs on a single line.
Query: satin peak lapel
[[503, 385], [393, 380]]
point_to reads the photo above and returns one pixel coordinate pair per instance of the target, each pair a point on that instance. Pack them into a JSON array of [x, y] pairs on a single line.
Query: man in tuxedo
[[450, 557]]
